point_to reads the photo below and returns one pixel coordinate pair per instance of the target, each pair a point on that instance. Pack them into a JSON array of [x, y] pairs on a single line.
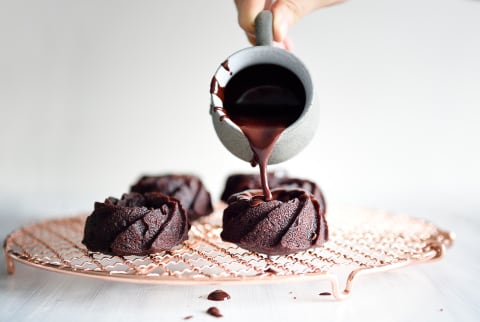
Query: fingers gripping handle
[[264, 28]]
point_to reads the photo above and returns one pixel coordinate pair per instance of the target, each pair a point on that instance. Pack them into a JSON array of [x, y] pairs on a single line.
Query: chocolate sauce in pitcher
[[263, 100]]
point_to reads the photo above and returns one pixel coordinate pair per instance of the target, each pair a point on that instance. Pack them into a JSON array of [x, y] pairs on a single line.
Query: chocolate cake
[[136, 224], [188, 189], [292, 221]]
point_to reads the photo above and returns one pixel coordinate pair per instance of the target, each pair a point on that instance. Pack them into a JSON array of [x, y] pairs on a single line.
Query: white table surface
[[445, 290]]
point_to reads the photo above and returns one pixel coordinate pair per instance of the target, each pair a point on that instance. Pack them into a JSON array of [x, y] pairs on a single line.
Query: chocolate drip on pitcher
[[217, 89], [227, 67]]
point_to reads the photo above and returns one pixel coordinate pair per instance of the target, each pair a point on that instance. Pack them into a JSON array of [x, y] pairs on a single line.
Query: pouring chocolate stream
[[263, 100]]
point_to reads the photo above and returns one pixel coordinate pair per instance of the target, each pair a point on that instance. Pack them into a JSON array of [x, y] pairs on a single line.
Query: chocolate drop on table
[[218, 295]]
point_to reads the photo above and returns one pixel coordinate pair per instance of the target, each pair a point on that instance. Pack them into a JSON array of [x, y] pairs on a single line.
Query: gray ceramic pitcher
[[295, 137]]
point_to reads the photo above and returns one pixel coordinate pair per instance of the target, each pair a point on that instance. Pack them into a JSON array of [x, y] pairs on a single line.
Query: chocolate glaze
[[262, 100], [218, 295]]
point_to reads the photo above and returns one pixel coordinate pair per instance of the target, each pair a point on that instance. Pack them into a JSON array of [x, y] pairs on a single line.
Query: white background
[[94, 94]]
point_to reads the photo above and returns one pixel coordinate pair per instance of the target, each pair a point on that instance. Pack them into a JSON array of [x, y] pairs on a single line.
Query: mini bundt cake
[[136, 224], [189, 189], [292, 221]]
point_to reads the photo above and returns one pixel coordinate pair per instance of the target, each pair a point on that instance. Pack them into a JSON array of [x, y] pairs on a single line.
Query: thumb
[[287, 12]]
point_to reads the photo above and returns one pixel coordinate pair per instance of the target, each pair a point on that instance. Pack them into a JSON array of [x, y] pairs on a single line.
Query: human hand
[[285, 14]]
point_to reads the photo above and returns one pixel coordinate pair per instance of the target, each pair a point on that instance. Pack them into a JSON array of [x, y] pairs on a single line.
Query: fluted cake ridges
[[189, 189], [136, 224]]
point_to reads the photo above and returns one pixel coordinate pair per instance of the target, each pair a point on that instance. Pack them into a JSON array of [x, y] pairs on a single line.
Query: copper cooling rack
[[361, 241]]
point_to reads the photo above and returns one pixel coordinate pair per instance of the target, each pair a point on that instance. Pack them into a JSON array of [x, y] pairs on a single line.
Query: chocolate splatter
[[218, 295], [325, 293], [214, 311]]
